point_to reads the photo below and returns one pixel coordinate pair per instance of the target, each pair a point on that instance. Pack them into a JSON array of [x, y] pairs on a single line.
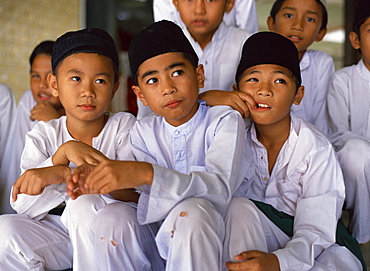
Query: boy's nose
[[88, 91], [199, 7], [44, 83], [264, 91], [297, 25], [168, 88]]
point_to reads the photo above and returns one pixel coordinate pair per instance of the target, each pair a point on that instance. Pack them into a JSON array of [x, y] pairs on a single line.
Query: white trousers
[[247, 228], [27, 244], [106, 235], [191, 237], [354, 159]]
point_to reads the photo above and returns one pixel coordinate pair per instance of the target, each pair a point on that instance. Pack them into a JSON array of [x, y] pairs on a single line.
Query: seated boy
[[217, 45], [191, 157], [304, 22], [284, 216], [85, 78], [348, 106], [243, 15]]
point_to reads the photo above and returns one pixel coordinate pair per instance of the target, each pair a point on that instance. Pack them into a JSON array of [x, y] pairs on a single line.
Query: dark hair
[[278, 3], [44, 48]]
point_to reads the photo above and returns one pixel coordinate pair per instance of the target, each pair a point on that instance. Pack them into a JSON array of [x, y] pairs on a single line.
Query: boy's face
[[85, 85], [299, 21], [363, 42], [40, 69], [274, 91], [202, 17], [169, 84]]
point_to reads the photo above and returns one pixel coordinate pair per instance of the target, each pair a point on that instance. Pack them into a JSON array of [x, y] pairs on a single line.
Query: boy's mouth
[[260, 105], [44, 97], [295, 38]]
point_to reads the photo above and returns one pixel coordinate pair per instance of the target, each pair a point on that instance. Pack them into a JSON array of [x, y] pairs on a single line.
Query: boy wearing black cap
[[349, 131], [284, 216], [85, 68], [191, 154]]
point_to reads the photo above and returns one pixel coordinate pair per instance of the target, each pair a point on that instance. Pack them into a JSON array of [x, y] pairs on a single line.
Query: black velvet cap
[[269, 48], [90, 40], [157, 39], [362, 14]]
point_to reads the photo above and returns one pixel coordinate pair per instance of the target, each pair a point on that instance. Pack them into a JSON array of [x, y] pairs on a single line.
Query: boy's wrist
[[59, 157]]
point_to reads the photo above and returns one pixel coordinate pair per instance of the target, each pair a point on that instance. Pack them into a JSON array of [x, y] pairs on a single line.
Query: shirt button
[[177, 132], [265, 179]]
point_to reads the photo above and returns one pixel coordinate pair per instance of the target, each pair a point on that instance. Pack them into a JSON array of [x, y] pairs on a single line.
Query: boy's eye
[[288, 15], [35, 76], [280, 81], [152, 81], [99, 81], [252, 80], [311, 19], [76, 78], [177, 73]]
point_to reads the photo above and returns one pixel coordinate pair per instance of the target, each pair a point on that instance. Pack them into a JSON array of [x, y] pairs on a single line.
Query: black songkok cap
[[157, 39], [362, 14], [90, 40], [269, 48]]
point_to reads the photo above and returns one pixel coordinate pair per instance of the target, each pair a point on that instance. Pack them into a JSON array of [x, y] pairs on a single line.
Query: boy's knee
[[241, 209], [353, 155], [196, 212]]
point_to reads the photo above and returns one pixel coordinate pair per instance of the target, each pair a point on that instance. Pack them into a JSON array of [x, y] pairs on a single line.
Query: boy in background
[[285, 214], [191, 157], [36, 104], [243, 15], [217, 45], [304, 22], [7, 110], [349, 130], [85, 78]]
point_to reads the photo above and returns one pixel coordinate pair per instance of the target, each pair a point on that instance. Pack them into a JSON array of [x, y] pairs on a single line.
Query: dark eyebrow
[[80, 72], [294, 9], [169, 67]]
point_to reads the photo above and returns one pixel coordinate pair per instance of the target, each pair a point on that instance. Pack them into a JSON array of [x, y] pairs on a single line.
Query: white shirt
[[306, 182], [7, 112], [242, 15], [44, 140], [316, 70], [348, 104], [200, 158], [220, 59]]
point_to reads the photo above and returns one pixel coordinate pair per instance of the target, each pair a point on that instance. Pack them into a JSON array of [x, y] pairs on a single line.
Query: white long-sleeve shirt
[[243, 15], [306, 182], [44, 140], [317, 68], [201, 158], [348, 104]]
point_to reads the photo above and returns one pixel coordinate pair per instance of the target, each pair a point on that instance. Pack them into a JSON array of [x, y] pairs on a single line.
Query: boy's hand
[[44, 111], [238, 100], [78, 153], [76, 185], [111, 175], [254, 260], [33, 181]]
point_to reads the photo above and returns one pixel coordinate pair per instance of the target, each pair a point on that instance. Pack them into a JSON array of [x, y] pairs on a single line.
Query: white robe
[[307, 183], [348, 106]]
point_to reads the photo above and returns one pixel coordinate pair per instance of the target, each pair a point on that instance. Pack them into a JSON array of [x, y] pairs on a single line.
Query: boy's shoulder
[[318, 56]]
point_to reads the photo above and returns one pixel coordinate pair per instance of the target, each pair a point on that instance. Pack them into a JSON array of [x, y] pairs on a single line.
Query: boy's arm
[[318, 207], [44, 112], [238, 100], [36, 155], [338, 111]]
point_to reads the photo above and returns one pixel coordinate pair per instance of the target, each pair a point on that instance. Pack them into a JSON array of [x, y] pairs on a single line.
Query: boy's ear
[[235, 87], [229, 5], [52, 81], [299, 95], [271, 24], [139, 94], [175, 3], [321, 34], [355, 41], [200, 75], [115, 88]]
